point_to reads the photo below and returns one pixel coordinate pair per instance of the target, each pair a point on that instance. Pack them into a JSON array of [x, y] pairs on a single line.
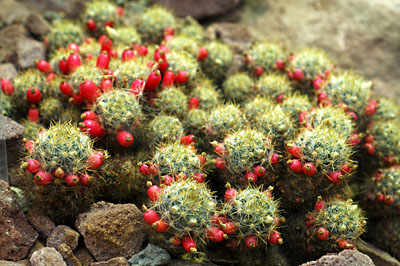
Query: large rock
[[37, 25], [112, 230], [238, 37], [346, 257], [200, 9], [42, 223], [14, 263], [17, 236], [9, 37], [118, 261], [68, 255], [378, 256], [12, 12], [151, 255], [84, 257], [63, 234], [47, 257], [359, 34], [12, 134], [8, 71], [28, 51]]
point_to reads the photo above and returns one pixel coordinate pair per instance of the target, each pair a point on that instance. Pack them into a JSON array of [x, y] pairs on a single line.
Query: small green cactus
[[7, 107], [269, 56], [123, 35], [130, 70], [192, 29], [50, 110], [32, 129], [295, 104], [83, 73], [64, 32], [172, 101], [182, 61], [207, 94], [256, 107], [238, 87], [153, 22], [387, 110], [218, 61], [98, 14], [185, 43], [164, 128], [386, 141], [276, 86], [195, 120]]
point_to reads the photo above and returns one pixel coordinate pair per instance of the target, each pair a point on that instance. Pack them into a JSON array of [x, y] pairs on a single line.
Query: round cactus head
[[238, 87], [218, 61], [153, 22], [267, 56], [275, 86], [64, 32]]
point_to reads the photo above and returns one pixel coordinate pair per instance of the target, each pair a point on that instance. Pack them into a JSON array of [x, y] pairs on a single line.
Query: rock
[[151, 255], [29, 50], [12, 135], [63, 234], [238, 37], [42, 223], [118, 261], [200, 9], [14, 263], [38, 245], [68, 255], [364, 41], [37, 25], [188, 263], [379, 257], [84, 257], [47, 257], [17, 236], [238, 65], [12, 12], [9, 36], [112, 230], [345, 257], [8, 71]]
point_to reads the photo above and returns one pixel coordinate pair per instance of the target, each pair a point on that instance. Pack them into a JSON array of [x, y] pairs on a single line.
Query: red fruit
[[120, 11], [188, 244], [334, 177], [76, 99], [345, 169], [202, 54], [73, 62], [295, 165], [168, 79], [33, 115], [303, 117], [109, 24], [202, 159], [106, 85], [317, 83], [298, 75], [92, 127], [106, 44], [279, 64], [354, 140], [199, 177], [91, 25], [43, 178], [353, 116], [251, 177], [124, 138], [369, 148], [217, 219], [7, 87], [309, 169], [29, 145], [137, 87], [322, 97], [378, 176], [369, 139], [127, 54], [152, 81], [275, 158], [50, 77], [43, 66], [280, 98], [66, 88], [169, 31], [166, 180], [89, 91], [142, 50], [189, 139], [59, 173], [220, 163], [390, 160], [343, 106], [32, 165], [370, 109], [153, 169], [275, 238], [294, 150], [380, 197], [89, 115], [230, 194], [86, 179], [344, 244], [319, 204], [229, 228], [144, 169], [259, 171], [310, 220], [193, 103], [103, 60], [322, 233], [160, 226], [251, 241], [389, 199], [95, 160], [151, 217], [74, 47], [258, 71], [33, 95], [215, 234], [175, 241], [182, 77], [154, 192], [220, 149]]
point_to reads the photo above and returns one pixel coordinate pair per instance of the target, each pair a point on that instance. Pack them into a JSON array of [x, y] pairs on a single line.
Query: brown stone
[[9, 37], [68, 255], [378, 256], [37, 25], [63, 234], [238, 37], [28, 51], [38, 245], [42, 223], [8, 71], [13, 12], [112, 230], [346, 257], [13, 135], [84, 257], [14, 263], [118, 261], [17, 236], [47, 257]]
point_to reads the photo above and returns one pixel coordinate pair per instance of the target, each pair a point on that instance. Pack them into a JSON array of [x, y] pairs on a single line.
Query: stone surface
[[68, 255], [29, 50], [345, 257], [38, 245], [378, 256], [17, 236], [238, 37], [63, 234], [37, 25], [118, 261], [200, 9], [12, 12], [13, 135], [151, 255], [47, 257], [112, 230], [8, 71], [84, 257], [188, 263], [14, 263], [9, 37], [42, 223], [358, 34]]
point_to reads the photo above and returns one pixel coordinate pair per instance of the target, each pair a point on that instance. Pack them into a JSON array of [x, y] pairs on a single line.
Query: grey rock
[[345, 257], [112, 230], [63, 234], [14, 263], [47, 257], [238, 37], [378, 256], [84, 257], [12, 12], [37, 25], [9, 36], [12, 135], [42, 223], [200, 9], [151, 255], [17, 236], [8, 71], [118, 261], [38, 245], [28, 51]]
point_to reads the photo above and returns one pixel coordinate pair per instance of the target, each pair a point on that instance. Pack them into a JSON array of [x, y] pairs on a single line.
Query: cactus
[[295, 104], [183, 43], [238, 87], [172, 101], [64, 32], [194, 121], [7, 107], [387, 110], [98, 14], [207, 95], [218, 61], [130, 70], [123, 35], [50, 110], [256, 107], [386, 236], [269, 56], [192, 29], [71, 113], [164, 128], [386, 141], [32, 129], [276, 86], [56, 56], [90, 47], [153, 22], [179, 61]]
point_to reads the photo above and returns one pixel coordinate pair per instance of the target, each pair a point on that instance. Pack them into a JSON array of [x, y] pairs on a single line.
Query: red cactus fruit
[[251, 241], [275, 238], [137, 87], [89, 91], [193, 103], [168, 79], [189, 139], [354, 139], [389, 199], [202, 54], [103, 60], [106, 44], [91, 25], [322, 97], [73, 62], [33, 115], [144, 169], [319, 204], [43, 66], [334, 177], [344, 244], [160, 226], [322, 233], [369, 148], [106, 85], [258, 71], [152, 81], [127, 54], [275, 158], [229, 228], [175, 241], [59, 172], [310, 220], [33, 95], [189, 244], [43, 178], [370, 108], [259, 171], [309, 169], [215, 234], [95, 160], [294, 150], [7, 87], [279, 64], [92, 127], [353, 116], [303, 117], [298, 75], [76, 99], [66, 88], [230, 194], [345, 169], [295, 165], [182, 77], [166, 180], [199, 177], [220, 163], [90, 115], [202, 159], [32, 165], [150, 217], [124, 138], [154, 192], [251, 177], [153, 169], [86, 179], [369, 139]]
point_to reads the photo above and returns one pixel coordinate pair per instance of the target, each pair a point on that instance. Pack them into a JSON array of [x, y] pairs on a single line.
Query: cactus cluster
[[275, 86], [265, 57], [238, 87]]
